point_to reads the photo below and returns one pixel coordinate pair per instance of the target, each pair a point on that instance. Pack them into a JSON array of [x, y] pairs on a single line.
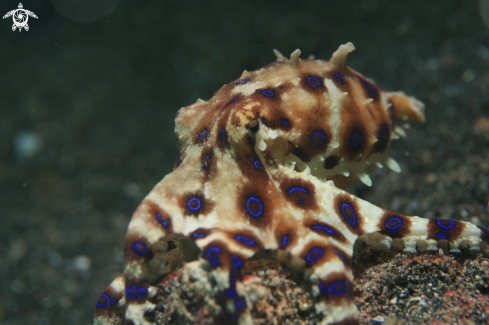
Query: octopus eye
[[314, 254], [340, 77], [268, 93], [393, 223], [313, 81]]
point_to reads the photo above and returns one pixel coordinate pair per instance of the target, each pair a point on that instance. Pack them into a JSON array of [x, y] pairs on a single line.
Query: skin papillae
[[262, 167]]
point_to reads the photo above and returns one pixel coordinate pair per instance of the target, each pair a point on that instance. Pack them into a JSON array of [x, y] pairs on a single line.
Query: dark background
[[88, 97]]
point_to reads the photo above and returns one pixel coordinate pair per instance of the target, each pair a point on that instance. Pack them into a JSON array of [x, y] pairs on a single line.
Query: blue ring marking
[[340, 255], [359, 134], [340, 77], [259, 213], [329, 231], [284, 122], [284, 240], [245, 240], [301, 202], [135, 248], [194, 199], [198, 235], [258, 164], [132, 295], [322, 141], [239, 302], [237, 262], [318, 253], [445, 227], [354, 221], [204, 135], [371, 91], [342, 290], [165, 224], [213, 258], [107, 300], [235, 99], [218, 106], [114, 301], [268, 93], [298, 189], [223, 133], [141, 292], [442, 234], [393, 227], [312, 84], [264, 121]]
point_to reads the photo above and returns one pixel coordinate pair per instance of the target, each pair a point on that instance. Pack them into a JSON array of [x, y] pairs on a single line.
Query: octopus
[[263, 166]]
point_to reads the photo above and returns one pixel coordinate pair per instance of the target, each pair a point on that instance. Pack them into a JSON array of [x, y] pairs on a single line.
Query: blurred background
[[88, 97]]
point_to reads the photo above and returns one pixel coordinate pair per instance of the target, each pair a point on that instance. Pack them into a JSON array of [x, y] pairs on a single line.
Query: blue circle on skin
[[298, 189], [245, 240], [329, 231], [318, 253], [311, 79], [442, 234], [446, 227], [284, 240], [322, 135], [340, 77], [258, 164], [254, 199], [370, 89], [337, 291], [114, 301], [393, 227], [107, 300], [213, 255], [237, 262], [137, 245], [340, 255], [354, 221], [129, 293], [194, 199], [203, 134], [165, 224], [356, 134], [284, 122], [223, 134], [268, 93], [198, 235]]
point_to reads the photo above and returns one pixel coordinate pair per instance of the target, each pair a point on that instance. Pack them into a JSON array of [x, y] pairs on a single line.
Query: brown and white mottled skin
[[262, 166]]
